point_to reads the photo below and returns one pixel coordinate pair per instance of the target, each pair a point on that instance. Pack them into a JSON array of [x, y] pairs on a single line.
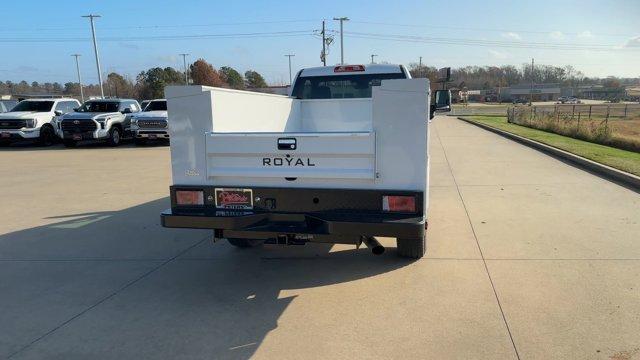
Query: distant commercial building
[[540, 92], [633, 92], [599, 92]]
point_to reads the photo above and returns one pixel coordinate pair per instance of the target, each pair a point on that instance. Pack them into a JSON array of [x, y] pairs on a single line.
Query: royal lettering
[[287, 161]]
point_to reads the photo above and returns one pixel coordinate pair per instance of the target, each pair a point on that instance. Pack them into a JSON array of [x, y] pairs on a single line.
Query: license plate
[[234, 198], [5, 135], [77, 137], [152, 136]]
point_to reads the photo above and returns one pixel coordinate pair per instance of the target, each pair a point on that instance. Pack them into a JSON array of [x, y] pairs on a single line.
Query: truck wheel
[[114, 137], [47, 136], [245, 243], [412, 248], [69, 143]]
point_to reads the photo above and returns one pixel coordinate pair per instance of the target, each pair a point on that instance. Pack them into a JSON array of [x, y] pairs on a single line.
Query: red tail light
[[189, 197], [348, 68], [399, 203]]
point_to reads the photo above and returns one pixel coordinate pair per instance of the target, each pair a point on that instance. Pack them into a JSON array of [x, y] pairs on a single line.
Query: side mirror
[[58, 112], [432, 111], [126, 111], [76, 109], [443, 100]]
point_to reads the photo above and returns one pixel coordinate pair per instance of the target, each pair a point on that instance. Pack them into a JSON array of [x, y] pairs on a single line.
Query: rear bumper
[[329, 215], [339, 228]]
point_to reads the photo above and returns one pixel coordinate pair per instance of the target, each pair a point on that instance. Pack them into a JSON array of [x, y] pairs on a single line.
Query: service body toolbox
[[342, 160]]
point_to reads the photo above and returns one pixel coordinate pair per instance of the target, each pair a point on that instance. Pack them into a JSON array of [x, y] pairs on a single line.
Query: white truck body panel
[[222, 136], [351, 156]]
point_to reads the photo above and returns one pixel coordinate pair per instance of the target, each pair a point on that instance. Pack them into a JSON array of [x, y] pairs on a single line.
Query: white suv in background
[[151, 123], [34, 119]]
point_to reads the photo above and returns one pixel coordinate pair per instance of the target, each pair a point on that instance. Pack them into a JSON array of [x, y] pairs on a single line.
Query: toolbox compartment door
[[318, 155]]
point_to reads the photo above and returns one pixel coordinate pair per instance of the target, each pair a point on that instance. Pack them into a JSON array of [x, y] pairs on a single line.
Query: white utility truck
[[343, 159]]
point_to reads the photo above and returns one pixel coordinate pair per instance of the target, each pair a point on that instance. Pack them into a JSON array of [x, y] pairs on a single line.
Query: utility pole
[[324, 51], [372, 56], [79, 78], [420, 66], [532, 86], [95, 50], [186, 71], [341, 19], [289, 56]]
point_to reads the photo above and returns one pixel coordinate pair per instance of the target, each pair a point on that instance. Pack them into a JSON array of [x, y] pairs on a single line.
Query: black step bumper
[[314, 227], [318, 215]]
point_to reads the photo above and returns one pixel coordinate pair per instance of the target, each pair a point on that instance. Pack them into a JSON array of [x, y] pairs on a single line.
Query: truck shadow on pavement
[[116, 284]]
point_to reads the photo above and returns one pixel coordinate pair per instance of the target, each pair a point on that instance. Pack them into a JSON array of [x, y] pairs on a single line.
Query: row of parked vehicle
[[47, 121]]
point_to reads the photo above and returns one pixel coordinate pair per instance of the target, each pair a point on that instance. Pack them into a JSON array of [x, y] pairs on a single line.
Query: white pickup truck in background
[[35, 119], [151, 123], [344, 159]]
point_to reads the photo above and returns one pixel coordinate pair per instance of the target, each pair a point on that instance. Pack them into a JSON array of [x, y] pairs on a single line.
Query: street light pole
[[532, 86], [79, 78], [186, 71], [341, 19], [95, 49], [372, 56], [324, 51], [289, 56]]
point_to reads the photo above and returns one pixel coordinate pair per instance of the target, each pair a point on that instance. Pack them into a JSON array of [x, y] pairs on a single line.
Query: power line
[[164, 26], [444, 27], [490, 43], [167, 37]]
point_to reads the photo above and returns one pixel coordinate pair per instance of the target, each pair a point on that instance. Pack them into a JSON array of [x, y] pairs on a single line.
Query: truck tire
[[412, 248], [47, 136], [245, 243], [114, 137], [69, 143]]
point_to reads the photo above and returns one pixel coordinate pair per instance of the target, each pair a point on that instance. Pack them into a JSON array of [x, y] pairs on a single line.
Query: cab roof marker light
[[348, 68]]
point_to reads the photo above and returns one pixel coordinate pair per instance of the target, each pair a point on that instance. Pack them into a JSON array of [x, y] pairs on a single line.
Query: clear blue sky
[[600, 38]]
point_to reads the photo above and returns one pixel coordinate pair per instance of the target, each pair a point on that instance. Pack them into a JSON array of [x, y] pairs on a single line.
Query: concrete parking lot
[[528, 258]]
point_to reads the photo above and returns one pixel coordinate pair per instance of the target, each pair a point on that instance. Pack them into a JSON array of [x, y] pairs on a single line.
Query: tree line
[[149, 84], [490, 77]]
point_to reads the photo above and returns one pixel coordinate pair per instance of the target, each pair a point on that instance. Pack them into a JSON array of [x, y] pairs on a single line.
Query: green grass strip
[[620, 159]]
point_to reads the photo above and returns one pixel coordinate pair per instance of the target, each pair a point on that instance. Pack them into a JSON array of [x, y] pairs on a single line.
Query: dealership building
[[540, 92]]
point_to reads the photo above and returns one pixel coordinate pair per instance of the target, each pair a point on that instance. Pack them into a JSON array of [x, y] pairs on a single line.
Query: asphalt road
[[528, 257]]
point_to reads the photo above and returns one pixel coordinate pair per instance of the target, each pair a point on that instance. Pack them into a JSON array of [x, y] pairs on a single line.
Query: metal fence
[[583, 110], [587, 111]]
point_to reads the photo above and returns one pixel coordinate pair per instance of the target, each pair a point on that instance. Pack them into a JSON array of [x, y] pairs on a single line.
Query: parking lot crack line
[[484, 261], [108, 297]]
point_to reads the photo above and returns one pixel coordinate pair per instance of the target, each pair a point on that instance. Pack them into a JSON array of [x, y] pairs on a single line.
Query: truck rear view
[[344, 159]]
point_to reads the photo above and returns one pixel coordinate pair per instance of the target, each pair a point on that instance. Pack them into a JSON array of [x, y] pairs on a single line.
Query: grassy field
[[620, 159]]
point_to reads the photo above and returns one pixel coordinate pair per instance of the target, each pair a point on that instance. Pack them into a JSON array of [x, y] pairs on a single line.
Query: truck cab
[[343, 159], [102, 119], [35, 120], [151, 123]]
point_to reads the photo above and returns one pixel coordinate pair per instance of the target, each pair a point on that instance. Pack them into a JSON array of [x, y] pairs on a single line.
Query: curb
[[625, 179]]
